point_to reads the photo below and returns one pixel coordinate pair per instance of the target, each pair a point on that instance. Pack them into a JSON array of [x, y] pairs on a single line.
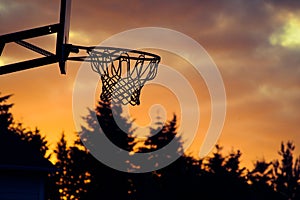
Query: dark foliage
[[22, 147], [217, 177], [80, 176]]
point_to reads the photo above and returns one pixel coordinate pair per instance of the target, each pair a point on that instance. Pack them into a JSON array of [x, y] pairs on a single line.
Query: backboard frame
[[63, 49], [145, 67], [63, 34]]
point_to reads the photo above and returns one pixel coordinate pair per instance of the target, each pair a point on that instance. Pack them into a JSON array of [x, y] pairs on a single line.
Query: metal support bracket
[[62, 50], [19, 37]]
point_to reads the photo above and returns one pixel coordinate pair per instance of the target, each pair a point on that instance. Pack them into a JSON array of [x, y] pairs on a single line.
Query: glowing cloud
[[79, 37], [8, 6], [2, 7], [289, 35]]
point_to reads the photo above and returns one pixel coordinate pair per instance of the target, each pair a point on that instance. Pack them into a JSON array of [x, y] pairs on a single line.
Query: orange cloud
[[261, 80]]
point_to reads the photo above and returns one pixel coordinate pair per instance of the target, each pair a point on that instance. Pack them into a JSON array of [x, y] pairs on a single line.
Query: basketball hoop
[[123, 72]]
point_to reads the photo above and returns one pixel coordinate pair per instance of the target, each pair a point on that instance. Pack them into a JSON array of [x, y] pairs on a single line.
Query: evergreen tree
[[72, 177], [162, 136], [6, 118], [61, 164], [34, 138], [260, 180], [163, 183], [225, 176], [286, 177], [216, 162], [84, 177], [113, 184], [104, 181], [110, 119], [20, 146], [7, 125]]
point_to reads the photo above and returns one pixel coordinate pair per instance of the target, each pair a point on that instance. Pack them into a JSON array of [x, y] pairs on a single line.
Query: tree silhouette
[[81, 176], [260, 180], [102, 180], [6, 118], [287, 173], [216, 162], [61, 177], [162, 136], [8, 128], [34, 138], [20, 146], [84, 177], [72, 178], [225, 176], [7, 125], [110, 119], [160, 184]]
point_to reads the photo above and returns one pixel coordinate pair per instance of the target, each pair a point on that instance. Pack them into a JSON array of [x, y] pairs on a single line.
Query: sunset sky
[[255, 45]]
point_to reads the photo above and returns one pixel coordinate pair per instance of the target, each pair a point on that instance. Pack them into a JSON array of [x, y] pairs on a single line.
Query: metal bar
[[79, 58], [34, 48], [30, 33], [115, 49], [1, 47], [6, 69], [63, 35], [60, 34]]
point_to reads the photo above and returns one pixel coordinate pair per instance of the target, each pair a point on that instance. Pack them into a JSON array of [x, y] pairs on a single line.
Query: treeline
[[220, 176]]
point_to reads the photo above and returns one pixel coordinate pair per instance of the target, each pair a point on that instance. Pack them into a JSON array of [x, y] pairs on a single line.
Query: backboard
[[63, 34]]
